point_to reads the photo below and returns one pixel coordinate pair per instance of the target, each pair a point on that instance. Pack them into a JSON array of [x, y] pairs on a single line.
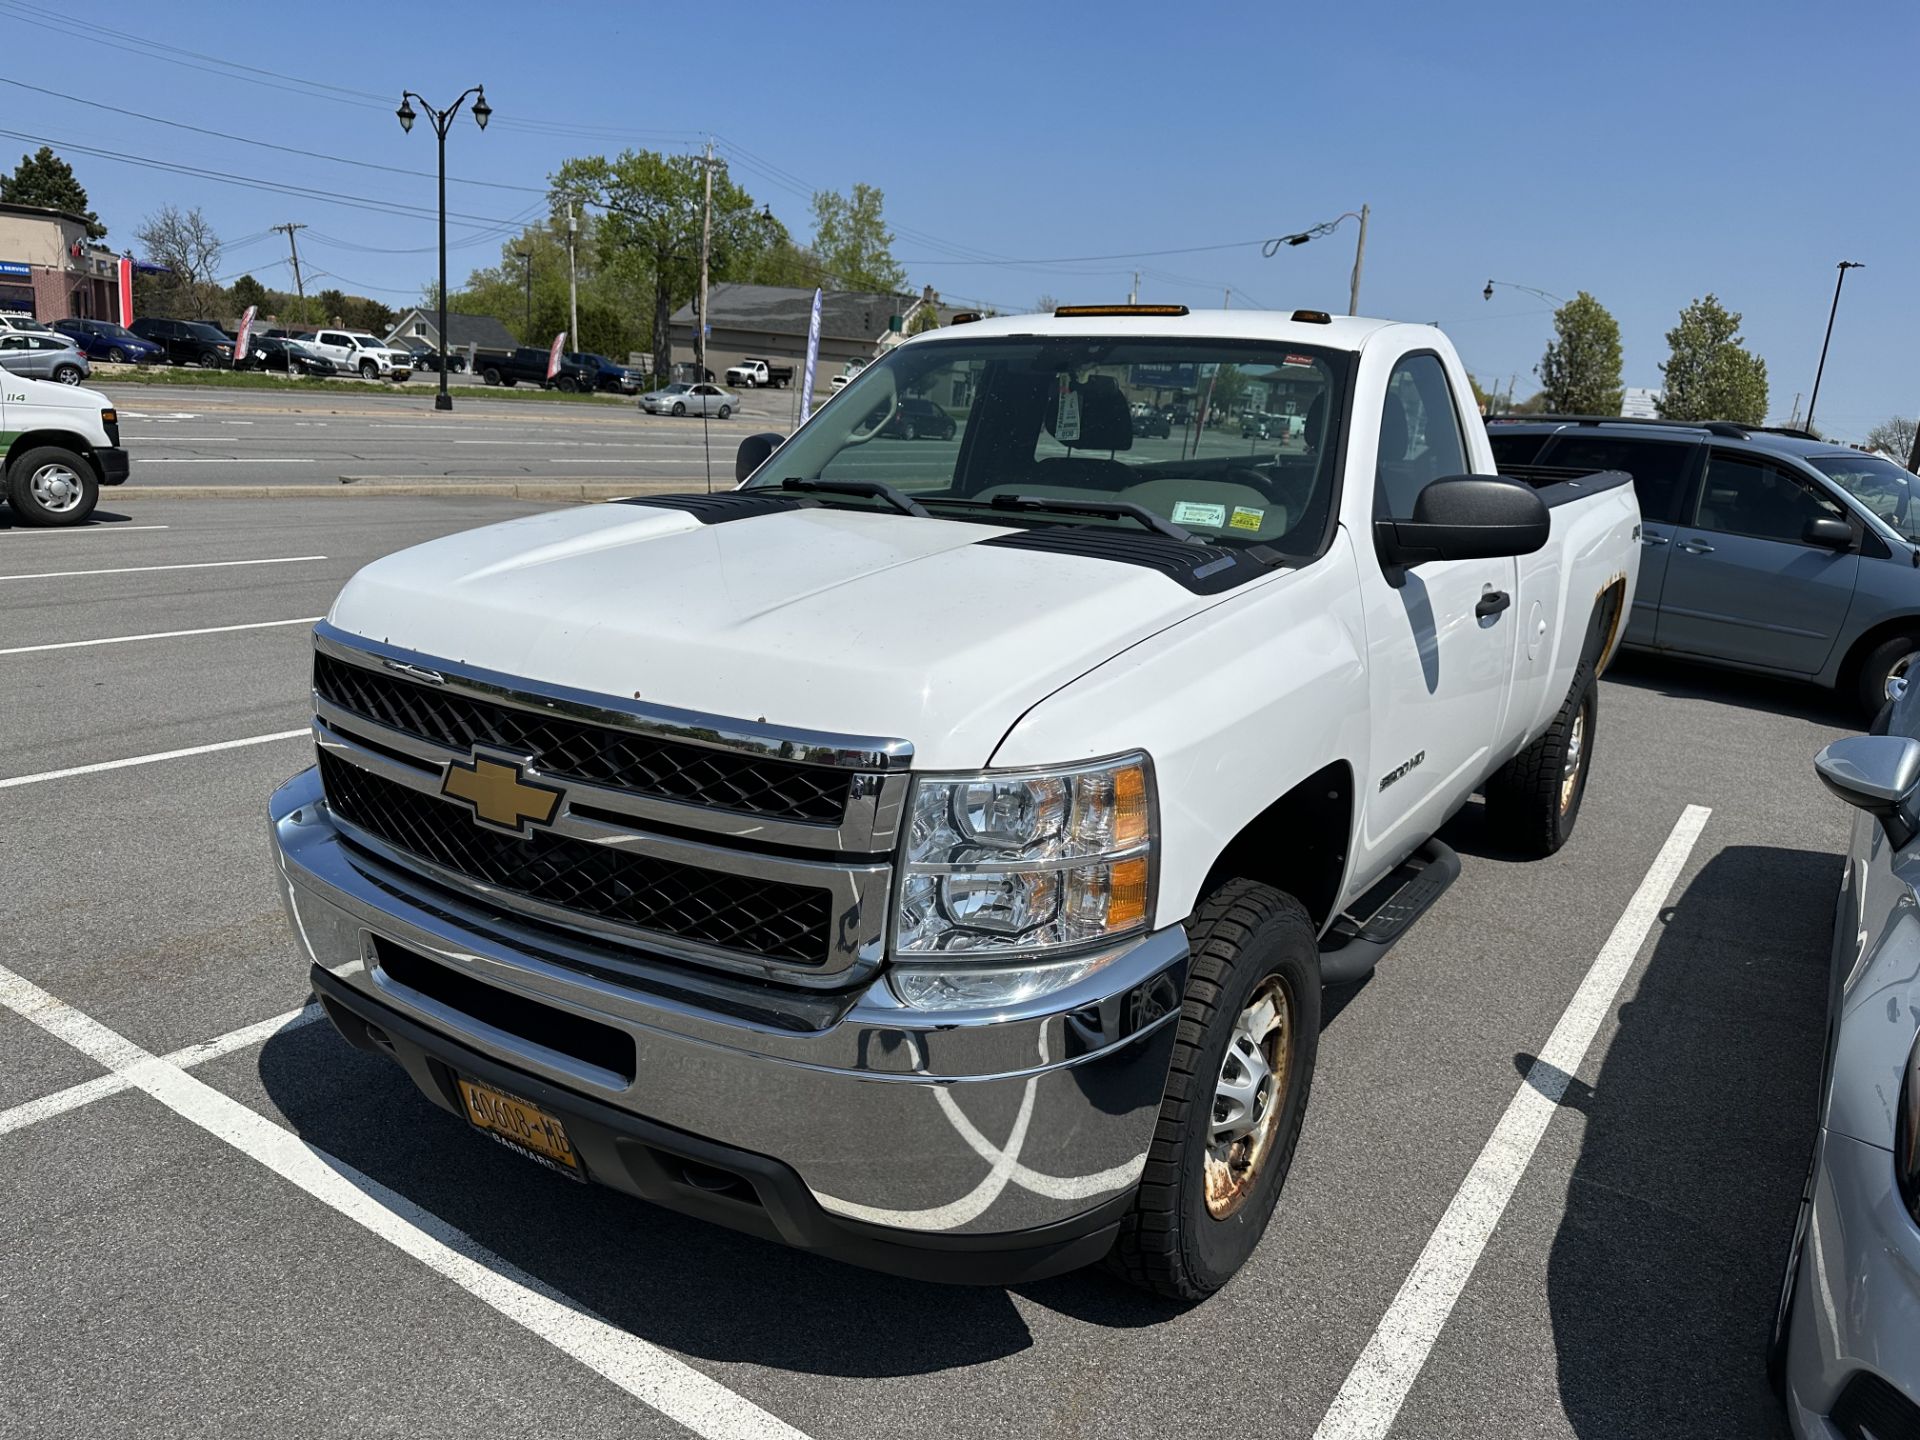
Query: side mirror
[[1466, 517], [1828, 533], [754, 451], [1878, 774]]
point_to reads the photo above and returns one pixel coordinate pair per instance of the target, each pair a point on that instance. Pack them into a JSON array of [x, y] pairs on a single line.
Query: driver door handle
[[1492, 603], [1696, 547]]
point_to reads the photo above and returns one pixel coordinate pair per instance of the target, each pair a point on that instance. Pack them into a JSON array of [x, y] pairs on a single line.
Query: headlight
[[1906, 1135], [1026, 863]]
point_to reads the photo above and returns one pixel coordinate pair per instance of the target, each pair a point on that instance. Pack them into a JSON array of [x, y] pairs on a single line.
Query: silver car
[[1846, 1349], [682, 398], [45, 357]]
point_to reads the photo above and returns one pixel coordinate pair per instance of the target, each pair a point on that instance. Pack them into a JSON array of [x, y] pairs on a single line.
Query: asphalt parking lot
[[265, 1231]]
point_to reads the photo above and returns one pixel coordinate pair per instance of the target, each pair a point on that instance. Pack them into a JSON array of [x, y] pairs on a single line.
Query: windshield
[[1879, 484], [112, 331], [1230, 440], [203, 331]]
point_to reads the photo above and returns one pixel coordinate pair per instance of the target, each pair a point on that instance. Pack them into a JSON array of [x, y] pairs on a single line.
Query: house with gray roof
[[769, 322], [481, 331]]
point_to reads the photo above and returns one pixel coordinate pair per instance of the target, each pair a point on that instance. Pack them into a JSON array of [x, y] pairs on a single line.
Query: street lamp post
[[1272, 247], [1841, 279], [442, 119], [1487, 294]]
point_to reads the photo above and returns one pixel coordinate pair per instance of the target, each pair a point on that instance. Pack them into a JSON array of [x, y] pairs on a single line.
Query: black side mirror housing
[[754, 451], [1466, 517], [1828, 533]]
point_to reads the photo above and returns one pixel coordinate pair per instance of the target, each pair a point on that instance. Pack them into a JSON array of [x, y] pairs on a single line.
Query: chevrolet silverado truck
[[931, 854], [58, 445]]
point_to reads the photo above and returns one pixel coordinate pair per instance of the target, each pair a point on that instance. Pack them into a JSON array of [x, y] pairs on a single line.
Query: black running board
[[1355, 942]]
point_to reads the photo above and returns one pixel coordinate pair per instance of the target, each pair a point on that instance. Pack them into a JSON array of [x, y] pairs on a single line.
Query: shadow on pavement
[[693, 1287], [1663, 1274], [1692, 680], [99, 518]]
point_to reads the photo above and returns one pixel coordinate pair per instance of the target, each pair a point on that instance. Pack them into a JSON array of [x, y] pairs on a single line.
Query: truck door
[[1743, 582], [1440, 645], [1660, 471]]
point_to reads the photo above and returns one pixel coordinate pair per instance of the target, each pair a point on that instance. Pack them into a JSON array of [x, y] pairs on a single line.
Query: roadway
[[274, 1233]]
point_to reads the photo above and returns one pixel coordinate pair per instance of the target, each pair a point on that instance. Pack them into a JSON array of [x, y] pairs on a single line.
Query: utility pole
[[1226, 300], [1133, 295], [706, 245], [1359, 257], [298, 285], [573, 281], [1845, 265], [526, 258]]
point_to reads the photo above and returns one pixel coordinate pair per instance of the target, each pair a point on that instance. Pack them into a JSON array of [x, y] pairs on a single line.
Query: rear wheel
[[67, 374], [1236, 1095], [51, 486], [1534, 799], [725, 411], [1888, 661]]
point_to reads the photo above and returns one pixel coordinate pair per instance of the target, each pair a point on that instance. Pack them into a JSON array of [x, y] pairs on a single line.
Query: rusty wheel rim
[[1248, 1096], [1576, 755]]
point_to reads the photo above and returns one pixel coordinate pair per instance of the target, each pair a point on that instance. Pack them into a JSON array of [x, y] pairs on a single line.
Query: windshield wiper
[[1123, 509], [870, 489]]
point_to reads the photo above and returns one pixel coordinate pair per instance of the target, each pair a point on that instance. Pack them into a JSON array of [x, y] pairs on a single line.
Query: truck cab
[[932, 852], [58, 445]]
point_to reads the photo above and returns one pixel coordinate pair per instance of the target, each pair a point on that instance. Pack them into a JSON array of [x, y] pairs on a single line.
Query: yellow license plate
[[521, 1126]]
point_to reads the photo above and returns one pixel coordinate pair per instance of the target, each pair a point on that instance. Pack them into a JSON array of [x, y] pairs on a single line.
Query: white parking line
[[144, 569], [1380, 1379], [99, 766], [211, 460], [648, 1373], [101, 1086], [155, 635]]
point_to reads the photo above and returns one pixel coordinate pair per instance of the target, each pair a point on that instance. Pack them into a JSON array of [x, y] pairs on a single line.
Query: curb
[[509, 490]]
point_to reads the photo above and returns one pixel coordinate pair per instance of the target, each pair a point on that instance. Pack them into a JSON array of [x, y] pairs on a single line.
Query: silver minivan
[[1765, 550]]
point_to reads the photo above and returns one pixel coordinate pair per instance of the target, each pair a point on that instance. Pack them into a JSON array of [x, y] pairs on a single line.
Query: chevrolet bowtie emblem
[[498, 795]]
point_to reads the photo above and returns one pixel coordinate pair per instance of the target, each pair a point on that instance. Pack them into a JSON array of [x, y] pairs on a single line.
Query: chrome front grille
[[739, 845]]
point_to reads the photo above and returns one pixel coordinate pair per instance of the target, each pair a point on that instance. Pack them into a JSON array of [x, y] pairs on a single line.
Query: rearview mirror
[[753, 452], [1878, 774], [1828, 533], [1466, 517]]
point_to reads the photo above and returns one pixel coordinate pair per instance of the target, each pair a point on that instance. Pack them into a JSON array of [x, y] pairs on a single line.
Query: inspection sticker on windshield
[[1066, 425], [1245, 517], [1190, 512], [1306, 360]]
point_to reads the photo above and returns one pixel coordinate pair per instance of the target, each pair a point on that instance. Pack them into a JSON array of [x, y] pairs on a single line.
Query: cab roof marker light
[[1312, 317], [1071, 312]]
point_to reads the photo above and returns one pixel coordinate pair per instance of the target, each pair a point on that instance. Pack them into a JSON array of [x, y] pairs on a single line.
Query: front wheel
[[1887, 662], [490, 376], [1534, 799], [725, 411], [208, 362], [1236, 1094], [117, 356], [907, 432], [679, 408], [369, 370], [50, 486], [566, 385]]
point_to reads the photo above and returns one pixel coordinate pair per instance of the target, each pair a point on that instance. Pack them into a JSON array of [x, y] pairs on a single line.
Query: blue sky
[[1646, 153]]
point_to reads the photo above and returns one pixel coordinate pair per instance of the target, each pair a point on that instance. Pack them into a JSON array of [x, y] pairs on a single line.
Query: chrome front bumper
[[932, 1127]]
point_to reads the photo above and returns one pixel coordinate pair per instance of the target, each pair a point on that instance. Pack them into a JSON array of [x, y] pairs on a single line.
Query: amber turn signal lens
[[1129, 807], [1127, 894]]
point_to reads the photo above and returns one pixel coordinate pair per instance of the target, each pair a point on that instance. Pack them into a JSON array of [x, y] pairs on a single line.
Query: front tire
[[726, 411], [490, 376], [369, 370], [1534, 799], [117, 356], [51, 486], [1236, 1095], [679, 407], [1886, 661]]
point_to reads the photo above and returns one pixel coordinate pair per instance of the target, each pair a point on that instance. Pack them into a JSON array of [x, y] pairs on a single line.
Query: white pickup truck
[[362, 355], [932, 853], [58, 445]]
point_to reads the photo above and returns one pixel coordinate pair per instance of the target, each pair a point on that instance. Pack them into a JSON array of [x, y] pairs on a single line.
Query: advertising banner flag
[[553, 355], [813, 357], [246, 331], [126, 289]]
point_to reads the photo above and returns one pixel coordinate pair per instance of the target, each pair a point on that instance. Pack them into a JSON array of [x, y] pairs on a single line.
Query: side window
[[327, 337], [1658, 468], [1420, 439], [1744, 495]]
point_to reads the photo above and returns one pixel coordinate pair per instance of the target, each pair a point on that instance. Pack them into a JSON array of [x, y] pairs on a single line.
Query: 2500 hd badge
[[979, 790]]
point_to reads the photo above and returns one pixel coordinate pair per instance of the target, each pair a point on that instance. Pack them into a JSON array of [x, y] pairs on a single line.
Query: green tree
[[853, 242], [1710, 375], [1580, 372], [927, 317], [333, 306], [248, 291], [43, 178], [654, 208]]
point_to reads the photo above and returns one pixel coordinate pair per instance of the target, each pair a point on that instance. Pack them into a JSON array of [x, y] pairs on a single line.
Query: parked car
[[360, 354], [847, 376], [989, 844], [1255, 425], [21, 321], [62, 443], [426, 356], [751, 372], [45, 357], [682, 398], [918, 419], [1150, 423], [290, 357], [1843, 1352], [1764, 550], [527, 364], [607, 376], [187, 342], [104, 340]]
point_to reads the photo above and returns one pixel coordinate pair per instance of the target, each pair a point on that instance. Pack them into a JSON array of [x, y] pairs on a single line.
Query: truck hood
[[857, 622]]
